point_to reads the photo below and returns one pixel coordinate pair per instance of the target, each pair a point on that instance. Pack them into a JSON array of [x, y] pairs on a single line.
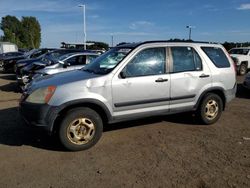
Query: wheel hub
[[81, 131], [211, 109]]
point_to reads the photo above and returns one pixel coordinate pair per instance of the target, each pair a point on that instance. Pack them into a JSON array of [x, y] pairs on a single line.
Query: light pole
[[112, 40], [84, 25], [190, 30]]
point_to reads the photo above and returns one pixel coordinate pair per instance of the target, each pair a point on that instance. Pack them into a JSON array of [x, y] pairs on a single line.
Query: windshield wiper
[[92, 71], [88, 70]]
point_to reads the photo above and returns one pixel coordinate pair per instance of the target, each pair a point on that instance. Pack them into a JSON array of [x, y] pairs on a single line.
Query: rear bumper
[[231, 93]]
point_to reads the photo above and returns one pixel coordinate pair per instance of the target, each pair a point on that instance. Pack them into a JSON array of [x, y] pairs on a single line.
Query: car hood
[[34, 66], [15, 58], [61, 78], [26, 61], [237, 55]]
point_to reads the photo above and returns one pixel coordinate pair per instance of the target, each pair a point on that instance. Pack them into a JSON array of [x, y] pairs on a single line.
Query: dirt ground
[[171, 151]]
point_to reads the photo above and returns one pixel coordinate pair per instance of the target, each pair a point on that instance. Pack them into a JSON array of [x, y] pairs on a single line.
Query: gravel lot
[[171, 151]]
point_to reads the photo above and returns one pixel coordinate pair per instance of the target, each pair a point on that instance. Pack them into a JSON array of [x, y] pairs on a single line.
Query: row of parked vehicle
[[46, 61]]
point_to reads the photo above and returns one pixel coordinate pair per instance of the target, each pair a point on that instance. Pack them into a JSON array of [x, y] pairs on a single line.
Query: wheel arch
[[245, 62], [96, 105], [216, 90]]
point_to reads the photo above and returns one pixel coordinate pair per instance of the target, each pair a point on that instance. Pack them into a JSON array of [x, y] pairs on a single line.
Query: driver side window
[[147, 62]]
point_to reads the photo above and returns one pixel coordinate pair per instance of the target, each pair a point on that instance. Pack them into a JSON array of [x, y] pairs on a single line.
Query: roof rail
[[177, 41]]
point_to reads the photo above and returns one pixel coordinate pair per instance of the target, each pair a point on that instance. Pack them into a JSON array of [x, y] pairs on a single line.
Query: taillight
[[235, 68], [234, 63]]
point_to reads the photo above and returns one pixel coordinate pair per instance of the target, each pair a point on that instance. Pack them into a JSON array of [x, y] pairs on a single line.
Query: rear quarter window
[[217, 56]]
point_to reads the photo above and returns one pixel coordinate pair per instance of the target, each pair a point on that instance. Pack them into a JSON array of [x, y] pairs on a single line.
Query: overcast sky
[[135, 20]]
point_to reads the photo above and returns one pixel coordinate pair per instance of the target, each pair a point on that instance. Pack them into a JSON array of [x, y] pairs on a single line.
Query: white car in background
[[241, 57]]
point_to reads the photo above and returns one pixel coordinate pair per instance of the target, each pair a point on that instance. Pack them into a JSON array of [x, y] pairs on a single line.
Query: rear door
[[189, 76]]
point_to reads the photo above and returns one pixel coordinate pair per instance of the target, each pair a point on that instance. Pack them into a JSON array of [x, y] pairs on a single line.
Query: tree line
[[26, 33]]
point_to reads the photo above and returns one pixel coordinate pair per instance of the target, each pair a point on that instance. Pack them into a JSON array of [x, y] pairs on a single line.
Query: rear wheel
[[80, 129], [210, 109]]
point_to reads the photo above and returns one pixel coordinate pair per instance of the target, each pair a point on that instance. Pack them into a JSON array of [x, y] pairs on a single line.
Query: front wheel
[[243, 69], [210, 109], [80, 129]]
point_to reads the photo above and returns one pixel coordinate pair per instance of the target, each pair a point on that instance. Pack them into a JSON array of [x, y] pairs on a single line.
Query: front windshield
[[63, 57], [239, 51], [30, 52], [52, 57], [105, 63]]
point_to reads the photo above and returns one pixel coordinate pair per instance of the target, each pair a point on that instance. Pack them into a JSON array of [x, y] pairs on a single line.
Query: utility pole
[[84, 25], [112, 40], [190, 30]]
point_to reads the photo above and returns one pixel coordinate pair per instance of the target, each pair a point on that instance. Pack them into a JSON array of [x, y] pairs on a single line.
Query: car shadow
[[187, 119], [242, 92], [11, 87], [14, 132], [8, 77]]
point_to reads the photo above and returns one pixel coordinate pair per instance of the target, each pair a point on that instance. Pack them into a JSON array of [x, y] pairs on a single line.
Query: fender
[[212, 90], [88, 102]]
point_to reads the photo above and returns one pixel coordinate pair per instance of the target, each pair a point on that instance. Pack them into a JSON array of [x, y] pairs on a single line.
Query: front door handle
[[204, 75], [161, 80]]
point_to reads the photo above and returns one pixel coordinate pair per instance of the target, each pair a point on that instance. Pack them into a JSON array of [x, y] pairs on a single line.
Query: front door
[[143, 85]]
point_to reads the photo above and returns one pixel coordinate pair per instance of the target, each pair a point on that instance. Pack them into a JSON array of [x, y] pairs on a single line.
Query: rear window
[[217, 56]]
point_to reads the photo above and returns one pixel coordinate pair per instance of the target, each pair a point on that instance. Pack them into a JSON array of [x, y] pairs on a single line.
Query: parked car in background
[[9, 55], [128, 82], [50, 57], [241, 57], [7, 47], [9, 63], [246, 82], [66, 62]]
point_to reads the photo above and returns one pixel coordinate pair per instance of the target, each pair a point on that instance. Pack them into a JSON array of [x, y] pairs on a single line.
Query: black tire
[[213, 102], [72, 128], [243, 69]]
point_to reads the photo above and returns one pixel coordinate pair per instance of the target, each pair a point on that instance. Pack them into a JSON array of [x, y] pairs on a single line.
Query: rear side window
[[217, 56], [185, 59]]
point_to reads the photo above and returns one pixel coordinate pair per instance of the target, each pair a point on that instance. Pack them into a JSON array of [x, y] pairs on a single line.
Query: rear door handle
[[161, 80], [204, 76]]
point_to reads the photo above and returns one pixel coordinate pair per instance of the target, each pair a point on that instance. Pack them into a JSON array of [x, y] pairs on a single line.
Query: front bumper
[[23, 80], [39, 115]]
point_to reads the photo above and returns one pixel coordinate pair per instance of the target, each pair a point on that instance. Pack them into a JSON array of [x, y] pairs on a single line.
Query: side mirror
[[65, 64], [123, 75]]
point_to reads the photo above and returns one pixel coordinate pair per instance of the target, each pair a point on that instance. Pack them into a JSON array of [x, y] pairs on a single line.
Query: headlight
[[41, 95], [237, 61]]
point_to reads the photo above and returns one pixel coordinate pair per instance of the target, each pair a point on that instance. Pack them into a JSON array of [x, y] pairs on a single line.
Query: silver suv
[[131, 81]]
